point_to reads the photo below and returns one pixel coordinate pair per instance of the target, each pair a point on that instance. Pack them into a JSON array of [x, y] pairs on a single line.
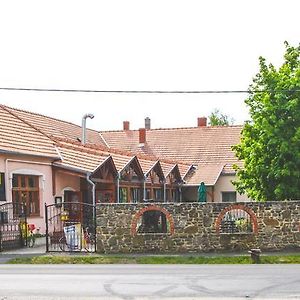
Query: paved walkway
[[38, 249]]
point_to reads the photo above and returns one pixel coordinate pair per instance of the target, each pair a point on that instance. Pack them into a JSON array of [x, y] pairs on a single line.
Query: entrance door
[[72, 205]]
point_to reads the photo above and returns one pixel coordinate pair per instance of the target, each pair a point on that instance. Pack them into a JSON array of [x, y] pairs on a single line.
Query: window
[[123, 196], [148, 194], [135, 195], [104, 196], [236, 221], [26, 191], [228, 196], [2, 187], [158, 194], [153, 221]]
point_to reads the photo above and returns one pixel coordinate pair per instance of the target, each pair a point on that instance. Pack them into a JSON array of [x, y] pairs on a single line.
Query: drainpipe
[[118, 188], [83, 139], [144, 188], [94, 205], [93, 187], [180, 193]]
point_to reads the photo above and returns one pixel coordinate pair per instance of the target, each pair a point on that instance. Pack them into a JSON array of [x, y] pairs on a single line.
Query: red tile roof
[[207, 147], [192, 145], [208, 173], [88, 157], [56, 128], [23, 138]]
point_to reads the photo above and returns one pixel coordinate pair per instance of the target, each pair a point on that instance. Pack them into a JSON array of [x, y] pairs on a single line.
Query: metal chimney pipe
[[91, 116], [147, 123]]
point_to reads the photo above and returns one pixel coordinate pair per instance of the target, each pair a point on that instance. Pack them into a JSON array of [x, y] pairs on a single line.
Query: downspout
[[144, 188], [94, 205], [93, 188], [180, 192], [165, 190], [118, 188]]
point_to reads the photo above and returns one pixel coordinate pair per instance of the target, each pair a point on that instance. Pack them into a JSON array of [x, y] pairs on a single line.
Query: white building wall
[[224, 184]]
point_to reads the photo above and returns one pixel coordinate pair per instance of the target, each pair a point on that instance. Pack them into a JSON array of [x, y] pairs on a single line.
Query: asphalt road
[[149, 282]]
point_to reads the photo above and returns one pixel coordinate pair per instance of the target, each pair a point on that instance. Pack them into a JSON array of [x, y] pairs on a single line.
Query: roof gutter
[[27, 154], [70, 168]]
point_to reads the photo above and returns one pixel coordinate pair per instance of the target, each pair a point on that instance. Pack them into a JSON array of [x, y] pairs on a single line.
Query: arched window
[[152, 219], [236, 219]]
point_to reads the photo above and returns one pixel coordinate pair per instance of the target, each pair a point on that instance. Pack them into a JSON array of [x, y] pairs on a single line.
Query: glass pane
[[31, 181], [24, 197], [15, 181], [228, 196], [23, 183], [123, 195]]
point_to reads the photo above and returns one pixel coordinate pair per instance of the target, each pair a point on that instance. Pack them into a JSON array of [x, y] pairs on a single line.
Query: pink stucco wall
[[65, 181], [29, 165]]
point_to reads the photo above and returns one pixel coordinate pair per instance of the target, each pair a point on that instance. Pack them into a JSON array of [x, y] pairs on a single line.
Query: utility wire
[[145, 91]]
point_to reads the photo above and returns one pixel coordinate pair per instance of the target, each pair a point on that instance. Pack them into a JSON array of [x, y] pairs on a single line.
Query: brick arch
[[148, 208], [237, 206]]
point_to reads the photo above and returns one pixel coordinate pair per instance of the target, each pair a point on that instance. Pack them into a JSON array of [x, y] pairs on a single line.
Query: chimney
[[142, 136], [202, 122], [125, 125], [147, 123]]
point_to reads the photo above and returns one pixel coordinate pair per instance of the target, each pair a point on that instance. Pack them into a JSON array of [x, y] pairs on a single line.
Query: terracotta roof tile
[[191, 145], [20, 137], [78, 158], [56, 128], [208, 173]]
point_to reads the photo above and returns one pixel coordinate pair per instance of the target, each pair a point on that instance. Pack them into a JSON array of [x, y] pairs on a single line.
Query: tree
[[270, 142], [216, 118]]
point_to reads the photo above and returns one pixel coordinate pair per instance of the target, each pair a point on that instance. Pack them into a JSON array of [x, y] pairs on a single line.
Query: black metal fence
[[236, 221], [70, 227], [13, 226]]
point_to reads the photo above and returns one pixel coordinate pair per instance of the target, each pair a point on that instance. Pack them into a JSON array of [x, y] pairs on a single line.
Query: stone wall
[[195, 227]]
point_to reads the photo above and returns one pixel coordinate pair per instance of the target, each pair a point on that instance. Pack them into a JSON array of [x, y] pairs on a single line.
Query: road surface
[[39, 282]]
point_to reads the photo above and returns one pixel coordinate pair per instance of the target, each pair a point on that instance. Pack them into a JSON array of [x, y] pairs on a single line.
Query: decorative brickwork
[[238, 207], [148, 208], [195, 227]]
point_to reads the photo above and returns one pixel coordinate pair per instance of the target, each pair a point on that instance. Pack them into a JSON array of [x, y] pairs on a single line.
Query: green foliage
[[270, 143], [216, 118]]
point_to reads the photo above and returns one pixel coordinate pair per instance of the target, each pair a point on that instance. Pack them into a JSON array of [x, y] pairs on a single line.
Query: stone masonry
[[195, 227]]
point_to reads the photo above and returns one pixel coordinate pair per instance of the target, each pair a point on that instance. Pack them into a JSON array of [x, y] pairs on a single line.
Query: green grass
[[103, 259]]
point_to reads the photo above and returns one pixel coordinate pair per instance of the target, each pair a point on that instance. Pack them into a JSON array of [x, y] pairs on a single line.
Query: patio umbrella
[[202, 192]]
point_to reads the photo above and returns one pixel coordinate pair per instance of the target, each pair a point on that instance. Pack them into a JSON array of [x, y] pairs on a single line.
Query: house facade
[[43, 161]]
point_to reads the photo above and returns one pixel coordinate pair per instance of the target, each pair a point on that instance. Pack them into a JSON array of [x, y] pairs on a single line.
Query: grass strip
[[102, 259]]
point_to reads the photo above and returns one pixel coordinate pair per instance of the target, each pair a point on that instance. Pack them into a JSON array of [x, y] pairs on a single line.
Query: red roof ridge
[[71, 147], [174, 128], [88, 146], [41, 115], [6, 108]]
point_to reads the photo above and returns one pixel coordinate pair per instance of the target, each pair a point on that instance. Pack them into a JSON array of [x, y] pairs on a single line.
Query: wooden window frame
[[25, 191], [2, 187]]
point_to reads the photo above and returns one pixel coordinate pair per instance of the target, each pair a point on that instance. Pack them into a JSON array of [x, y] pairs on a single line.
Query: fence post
[[46, 220], [24, 209]]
